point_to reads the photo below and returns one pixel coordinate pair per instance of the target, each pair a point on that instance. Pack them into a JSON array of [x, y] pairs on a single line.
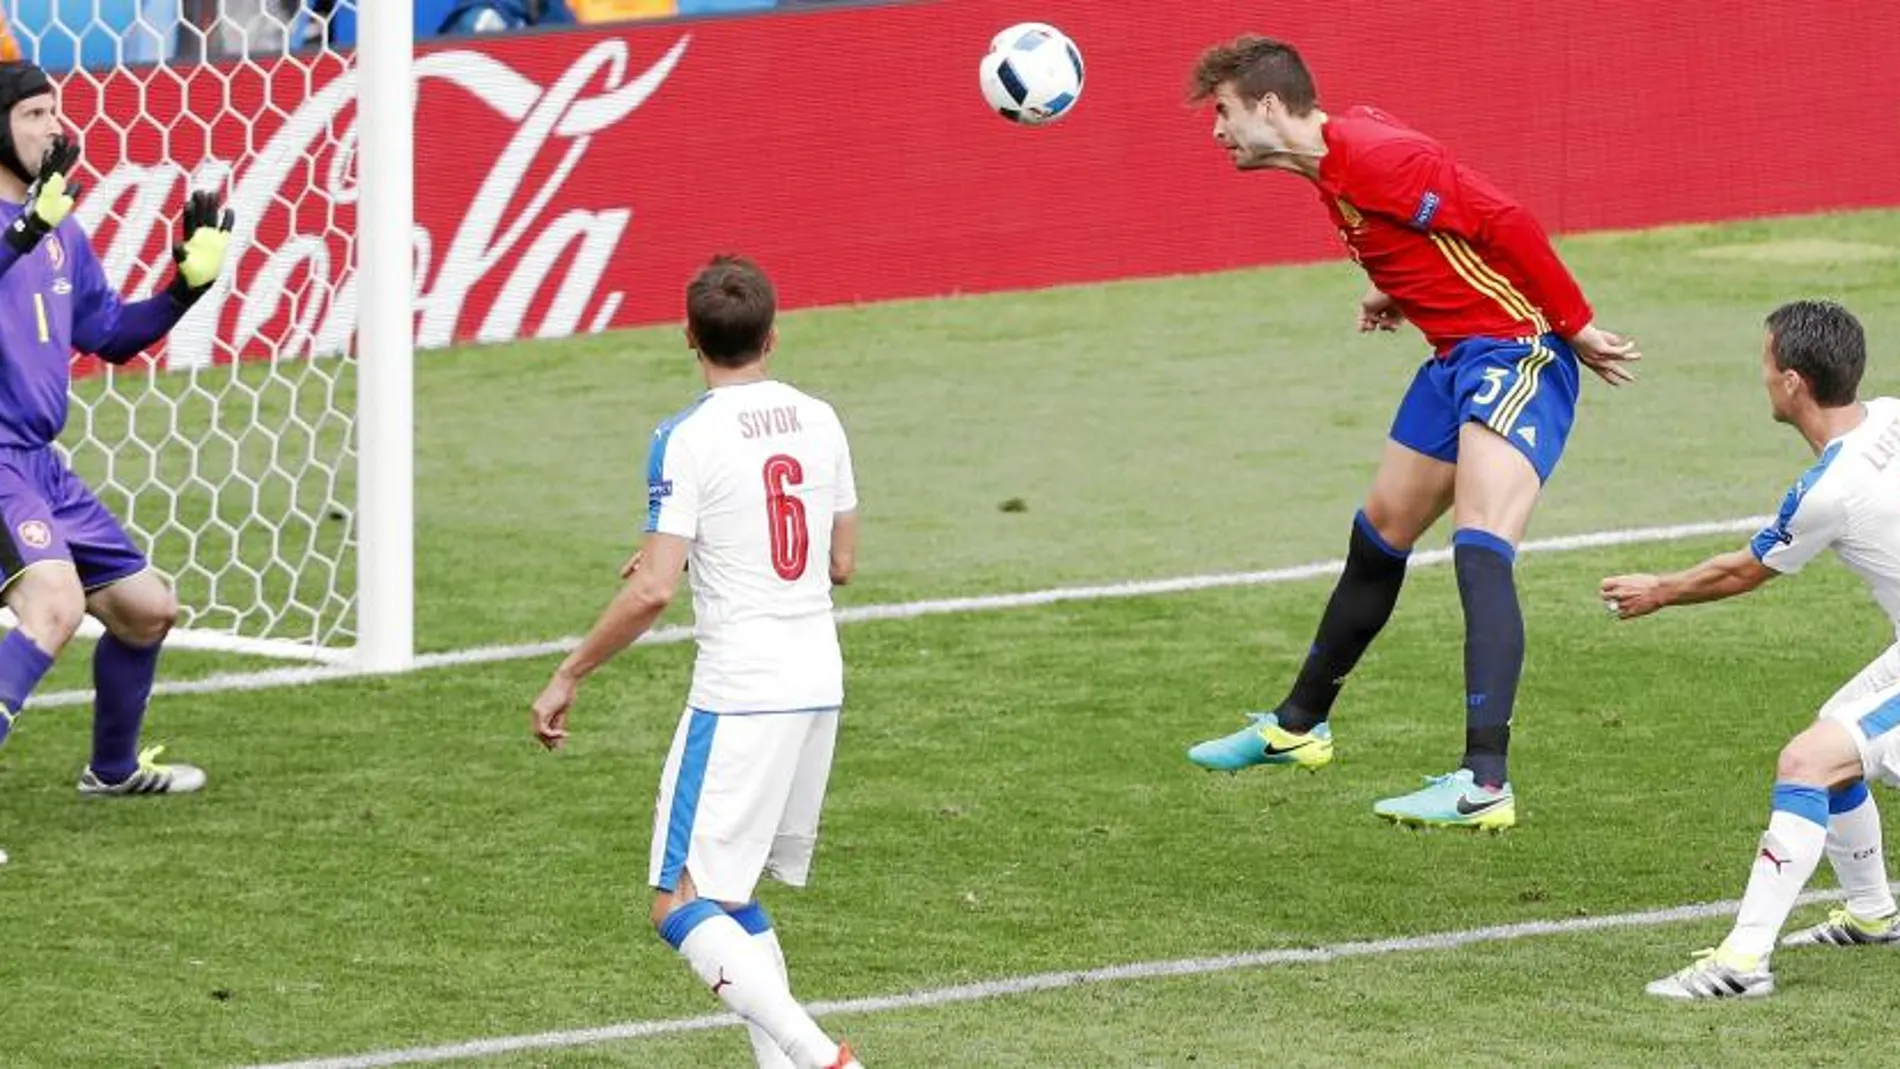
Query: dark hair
[[1256, 66], [730, 307], [1824, 344]]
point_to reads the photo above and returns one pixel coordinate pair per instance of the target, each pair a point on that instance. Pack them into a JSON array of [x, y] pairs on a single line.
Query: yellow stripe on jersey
[[1529, 370], [1481, 277], [1452, 250], [1454, 256], [1496, 284]]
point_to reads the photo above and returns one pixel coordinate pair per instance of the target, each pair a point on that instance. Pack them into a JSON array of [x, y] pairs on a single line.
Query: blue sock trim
[[752, 918], [1808, 803], [1848, 799], [680, 923], [1365, 527], [1476, 539]]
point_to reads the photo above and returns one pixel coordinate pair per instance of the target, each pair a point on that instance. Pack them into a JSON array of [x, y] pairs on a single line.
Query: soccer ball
[[1032, 74]]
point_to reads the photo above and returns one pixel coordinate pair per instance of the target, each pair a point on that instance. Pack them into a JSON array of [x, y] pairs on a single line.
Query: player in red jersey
[[1482, 426]]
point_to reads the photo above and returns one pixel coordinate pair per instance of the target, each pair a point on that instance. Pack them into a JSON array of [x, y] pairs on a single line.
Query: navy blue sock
[[1494, 649], [1361, 604]]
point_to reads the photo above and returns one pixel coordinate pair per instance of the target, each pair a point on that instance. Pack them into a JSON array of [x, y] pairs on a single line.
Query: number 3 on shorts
[[1493, 385]]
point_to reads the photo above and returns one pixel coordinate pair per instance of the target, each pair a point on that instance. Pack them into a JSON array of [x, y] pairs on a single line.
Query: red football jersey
[[1459, 257]]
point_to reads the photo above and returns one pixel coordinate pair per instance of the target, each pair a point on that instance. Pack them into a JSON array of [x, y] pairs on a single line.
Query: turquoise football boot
[[1264, 742], [1453, 801]]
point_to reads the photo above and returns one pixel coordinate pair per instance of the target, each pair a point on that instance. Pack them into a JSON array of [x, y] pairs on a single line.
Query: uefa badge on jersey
[[34, 534]]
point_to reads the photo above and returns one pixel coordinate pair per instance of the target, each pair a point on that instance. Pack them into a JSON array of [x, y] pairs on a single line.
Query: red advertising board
[[570, 181]]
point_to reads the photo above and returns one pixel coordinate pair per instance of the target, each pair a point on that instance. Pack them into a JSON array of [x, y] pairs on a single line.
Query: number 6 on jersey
[[791, 539]]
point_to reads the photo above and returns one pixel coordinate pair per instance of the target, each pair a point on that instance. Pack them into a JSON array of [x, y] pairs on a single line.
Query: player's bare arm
[[844, 547], [1722, 576], [631, 613]]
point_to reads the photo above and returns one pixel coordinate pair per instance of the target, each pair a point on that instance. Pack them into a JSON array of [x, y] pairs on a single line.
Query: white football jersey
[[1849, 500], [752, 476]]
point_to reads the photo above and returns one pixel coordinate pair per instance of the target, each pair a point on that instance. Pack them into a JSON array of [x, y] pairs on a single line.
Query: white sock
[[1789, 853], [1853, 848], [753, 919], [744, 976]]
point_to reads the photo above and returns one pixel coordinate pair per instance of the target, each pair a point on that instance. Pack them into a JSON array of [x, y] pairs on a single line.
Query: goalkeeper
[[62, 554]]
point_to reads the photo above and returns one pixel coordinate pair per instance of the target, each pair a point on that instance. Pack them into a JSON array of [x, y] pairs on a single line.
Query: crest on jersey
[[55, 252], [34, 534], [1349, 213]]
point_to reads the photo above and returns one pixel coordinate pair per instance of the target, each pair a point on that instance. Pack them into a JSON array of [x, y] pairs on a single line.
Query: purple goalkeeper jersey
[[54, 300]]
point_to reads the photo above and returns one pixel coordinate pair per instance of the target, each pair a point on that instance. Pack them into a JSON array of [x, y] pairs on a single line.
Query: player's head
[[32, 118], [730, 308], [1261, 91], [1813, 356]]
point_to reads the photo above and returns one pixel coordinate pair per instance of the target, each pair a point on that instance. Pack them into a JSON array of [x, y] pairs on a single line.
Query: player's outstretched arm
[[844, 547], [632, 611], [1722, 576], [117, 332]]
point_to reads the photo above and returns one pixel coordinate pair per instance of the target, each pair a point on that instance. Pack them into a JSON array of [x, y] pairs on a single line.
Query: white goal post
[[263, 456], [385, 637]]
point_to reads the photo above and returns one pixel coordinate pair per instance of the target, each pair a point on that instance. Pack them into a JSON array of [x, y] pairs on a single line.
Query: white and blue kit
[[751, 476], [1849, 501]]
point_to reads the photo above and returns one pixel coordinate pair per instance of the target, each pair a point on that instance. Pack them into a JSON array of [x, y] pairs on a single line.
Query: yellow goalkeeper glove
[[200, 256], [49, 200]]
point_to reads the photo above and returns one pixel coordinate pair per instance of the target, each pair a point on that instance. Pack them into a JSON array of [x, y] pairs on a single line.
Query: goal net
[[232, 451]]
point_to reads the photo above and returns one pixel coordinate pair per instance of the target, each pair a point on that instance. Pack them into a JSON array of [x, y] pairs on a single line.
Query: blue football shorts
[[1523, 388]]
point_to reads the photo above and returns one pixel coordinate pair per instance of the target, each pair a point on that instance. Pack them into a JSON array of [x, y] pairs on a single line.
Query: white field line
[[214, 642], [306, 675], [1021, 985]]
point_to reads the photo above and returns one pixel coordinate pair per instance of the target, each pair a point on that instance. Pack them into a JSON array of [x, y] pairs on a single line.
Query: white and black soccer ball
[[1032, 74]]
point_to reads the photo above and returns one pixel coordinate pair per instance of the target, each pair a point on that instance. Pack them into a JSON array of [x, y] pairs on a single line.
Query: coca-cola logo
[[292, 290]]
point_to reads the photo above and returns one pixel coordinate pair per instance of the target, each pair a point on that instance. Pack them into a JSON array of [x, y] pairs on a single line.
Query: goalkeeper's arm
[[117, 332]]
